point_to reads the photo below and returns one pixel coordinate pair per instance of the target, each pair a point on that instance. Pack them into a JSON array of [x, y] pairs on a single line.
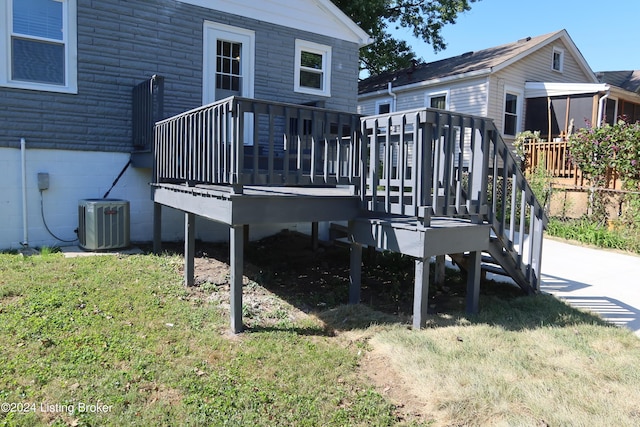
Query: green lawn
[[123, 332], [118, 341]]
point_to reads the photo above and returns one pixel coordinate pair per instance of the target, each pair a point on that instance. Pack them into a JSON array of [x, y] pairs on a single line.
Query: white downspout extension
[[601, 107], [394, 96], [23, 158]]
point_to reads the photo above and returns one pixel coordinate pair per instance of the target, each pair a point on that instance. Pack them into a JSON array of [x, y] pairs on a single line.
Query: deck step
[[488, 263], [494, 269]]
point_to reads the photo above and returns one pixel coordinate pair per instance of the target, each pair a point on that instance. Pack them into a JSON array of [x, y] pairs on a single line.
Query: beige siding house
[[494, 82]]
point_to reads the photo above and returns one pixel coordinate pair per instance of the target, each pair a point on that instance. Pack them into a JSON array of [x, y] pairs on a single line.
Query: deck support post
[[421, 293], [236, 238], [157, 228], [440, 270], [355, 273], [314, 236], [473, 282], [189, 248]]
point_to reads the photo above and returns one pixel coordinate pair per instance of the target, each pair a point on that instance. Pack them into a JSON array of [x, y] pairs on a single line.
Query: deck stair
[[499, 262], [423, 182]]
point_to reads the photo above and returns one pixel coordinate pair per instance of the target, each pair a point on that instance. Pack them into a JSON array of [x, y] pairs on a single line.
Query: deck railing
[[421, 163], [241, 141], [434, 163], [554, 157]]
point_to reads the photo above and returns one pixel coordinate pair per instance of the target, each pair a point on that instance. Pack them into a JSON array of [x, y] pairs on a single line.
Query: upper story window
[[312, 68], [38, 45], [438, 100], [557, 61]]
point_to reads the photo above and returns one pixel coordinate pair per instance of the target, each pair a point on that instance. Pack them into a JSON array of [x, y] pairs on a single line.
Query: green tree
[[424, 18]]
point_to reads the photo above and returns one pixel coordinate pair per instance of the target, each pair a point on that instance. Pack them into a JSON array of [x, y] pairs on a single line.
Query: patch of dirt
[[375, 366]]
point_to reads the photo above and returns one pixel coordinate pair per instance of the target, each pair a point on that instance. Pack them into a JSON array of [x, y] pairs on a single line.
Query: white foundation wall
[[77, 175]]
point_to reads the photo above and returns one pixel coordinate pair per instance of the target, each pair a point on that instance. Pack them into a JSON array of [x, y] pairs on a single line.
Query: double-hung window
[[557, 60], [511, 113], [38, 45], [312, 68]]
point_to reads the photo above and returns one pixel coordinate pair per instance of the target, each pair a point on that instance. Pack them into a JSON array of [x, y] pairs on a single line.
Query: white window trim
[[70, 37], [429, 95], [209, 68], [553, 54], [383, 102], [519, 103], [325, 51]]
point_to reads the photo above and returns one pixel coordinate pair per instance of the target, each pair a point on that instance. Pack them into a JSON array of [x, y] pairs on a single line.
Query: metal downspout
[[394, 96], [23, 160], [601, 107]]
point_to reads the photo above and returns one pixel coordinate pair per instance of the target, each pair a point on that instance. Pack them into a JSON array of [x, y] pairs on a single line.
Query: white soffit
[[315, 16], [542, 89]]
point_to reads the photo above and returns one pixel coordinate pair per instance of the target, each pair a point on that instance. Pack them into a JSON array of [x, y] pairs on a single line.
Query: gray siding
[[121, 43], [468, 96]]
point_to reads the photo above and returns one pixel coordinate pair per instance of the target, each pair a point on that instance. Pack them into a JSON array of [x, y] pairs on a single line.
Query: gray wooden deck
[[413, 182], [259, 204]]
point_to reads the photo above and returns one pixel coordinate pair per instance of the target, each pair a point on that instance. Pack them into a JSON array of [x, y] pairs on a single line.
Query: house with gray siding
[[68, 67], [510, 84]]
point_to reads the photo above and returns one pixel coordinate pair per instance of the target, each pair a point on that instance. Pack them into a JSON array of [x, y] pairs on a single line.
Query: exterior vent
[[103, 224]]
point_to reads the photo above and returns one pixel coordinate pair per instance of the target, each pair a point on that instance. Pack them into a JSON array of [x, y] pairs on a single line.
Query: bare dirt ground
[[287, 281]]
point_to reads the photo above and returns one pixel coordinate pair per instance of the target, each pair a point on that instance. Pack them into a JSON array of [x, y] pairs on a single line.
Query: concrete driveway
[[605, 282]]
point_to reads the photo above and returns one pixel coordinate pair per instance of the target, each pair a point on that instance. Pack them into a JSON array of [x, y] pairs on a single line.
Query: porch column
[[421, 293], [355, 273], [189, 248], [157, 228], [236, 240], [473, 282]]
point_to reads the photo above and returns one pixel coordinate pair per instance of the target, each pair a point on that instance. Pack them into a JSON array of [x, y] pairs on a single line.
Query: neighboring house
[[502, 83], [624, 96], [68, 67]]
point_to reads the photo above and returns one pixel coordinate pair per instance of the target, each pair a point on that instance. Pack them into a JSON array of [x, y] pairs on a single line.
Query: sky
[[607, 33]]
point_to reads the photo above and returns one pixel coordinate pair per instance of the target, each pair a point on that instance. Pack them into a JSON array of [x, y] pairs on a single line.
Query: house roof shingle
[[627, 80], [461, 64]]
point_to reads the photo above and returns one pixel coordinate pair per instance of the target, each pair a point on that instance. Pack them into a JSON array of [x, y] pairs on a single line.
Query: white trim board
[[315, 16]]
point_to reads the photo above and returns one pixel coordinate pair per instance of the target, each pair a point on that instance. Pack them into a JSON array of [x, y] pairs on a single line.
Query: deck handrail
[[429, 162], [241, 141], [555, 158]]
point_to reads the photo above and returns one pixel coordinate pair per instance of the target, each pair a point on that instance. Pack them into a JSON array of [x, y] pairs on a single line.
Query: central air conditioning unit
[[103, 224]]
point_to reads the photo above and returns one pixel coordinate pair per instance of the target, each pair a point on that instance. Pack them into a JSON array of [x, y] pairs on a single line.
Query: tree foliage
[[424, 18]]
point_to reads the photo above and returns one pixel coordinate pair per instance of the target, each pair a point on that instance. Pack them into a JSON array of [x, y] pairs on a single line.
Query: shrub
[[598, 151]]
